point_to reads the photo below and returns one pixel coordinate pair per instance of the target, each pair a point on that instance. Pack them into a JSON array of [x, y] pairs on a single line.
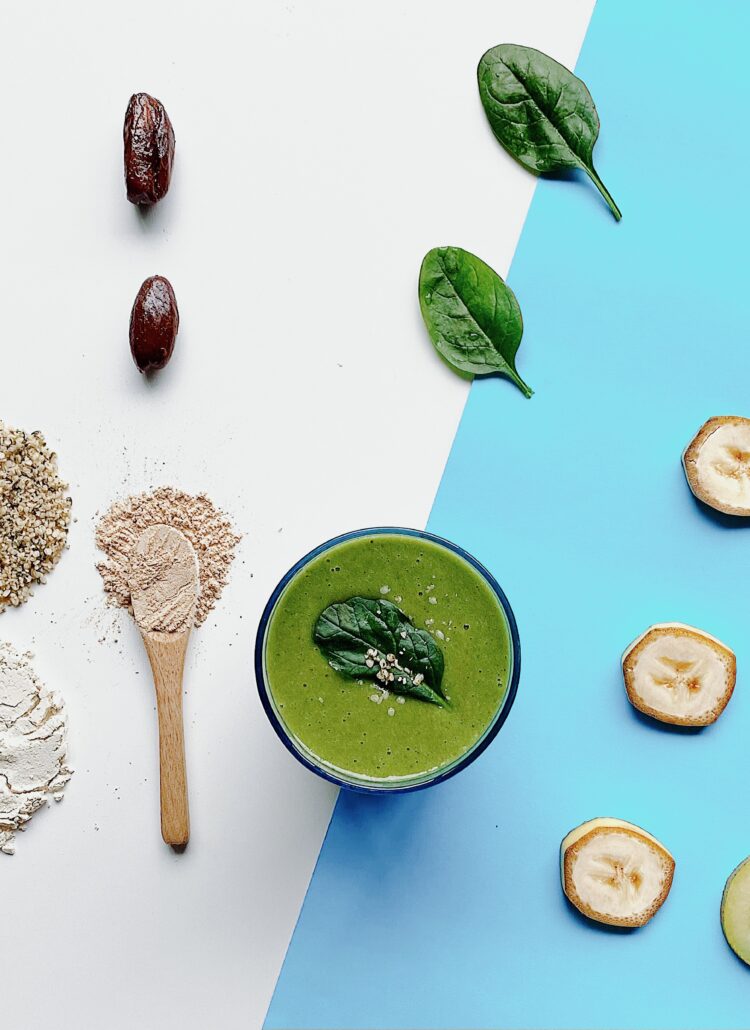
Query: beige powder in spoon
[[208, 529], [163, 580]]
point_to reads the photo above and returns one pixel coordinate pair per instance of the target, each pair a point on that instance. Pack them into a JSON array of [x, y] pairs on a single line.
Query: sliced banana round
[[615, 872], [679, 674], [735, 911], [717, 464]]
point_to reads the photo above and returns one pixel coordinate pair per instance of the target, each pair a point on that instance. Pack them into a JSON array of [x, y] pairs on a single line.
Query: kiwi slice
[[735, 911]]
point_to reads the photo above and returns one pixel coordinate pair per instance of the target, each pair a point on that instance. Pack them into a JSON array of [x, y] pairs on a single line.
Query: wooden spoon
[[164, 590]]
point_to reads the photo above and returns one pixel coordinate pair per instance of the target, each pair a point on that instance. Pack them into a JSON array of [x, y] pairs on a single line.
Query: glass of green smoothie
[[387, 659]]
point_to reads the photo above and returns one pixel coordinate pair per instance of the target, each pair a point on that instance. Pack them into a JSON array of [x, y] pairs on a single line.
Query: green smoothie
[[356, 728]]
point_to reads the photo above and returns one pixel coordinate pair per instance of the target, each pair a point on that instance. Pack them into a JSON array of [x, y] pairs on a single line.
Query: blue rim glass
[[362, 786]]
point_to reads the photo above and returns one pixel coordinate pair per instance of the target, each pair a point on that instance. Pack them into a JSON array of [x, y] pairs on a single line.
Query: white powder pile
[[33, 765]]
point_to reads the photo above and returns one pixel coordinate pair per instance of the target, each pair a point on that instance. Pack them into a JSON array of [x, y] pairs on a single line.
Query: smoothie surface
[[350, 725]]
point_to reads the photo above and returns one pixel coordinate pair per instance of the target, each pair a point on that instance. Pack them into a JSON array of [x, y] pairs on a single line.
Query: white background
[[322, 149]]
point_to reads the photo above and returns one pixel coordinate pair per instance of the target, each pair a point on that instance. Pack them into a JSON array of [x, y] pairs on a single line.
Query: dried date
[[154, 322], [149, 150]]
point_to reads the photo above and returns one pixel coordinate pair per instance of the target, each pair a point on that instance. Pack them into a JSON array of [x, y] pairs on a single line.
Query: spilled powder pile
[[33, 765], [208, 530], [34, 514], [163, 580]]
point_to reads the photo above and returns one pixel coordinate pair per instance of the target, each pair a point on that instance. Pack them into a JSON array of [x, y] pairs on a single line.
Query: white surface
[[322, 149]]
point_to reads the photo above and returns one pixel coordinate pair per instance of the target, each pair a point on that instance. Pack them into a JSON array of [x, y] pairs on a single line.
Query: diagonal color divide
[[443, 909]]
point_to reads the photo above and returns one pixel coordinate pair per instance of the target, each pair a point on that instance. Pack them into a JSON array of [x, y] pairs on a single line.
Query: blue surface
[[443, 909]]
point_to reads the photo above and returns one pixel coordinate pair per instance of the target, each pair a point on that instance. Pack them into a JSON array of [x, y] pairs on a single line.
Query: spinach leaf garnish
[[367, 638], [541, 113], [472, 317]]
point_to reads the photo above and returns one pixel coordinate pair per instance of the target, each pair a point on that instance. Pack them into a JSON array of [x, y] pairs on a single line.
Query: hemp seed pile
[[208, 530], [34, 514]]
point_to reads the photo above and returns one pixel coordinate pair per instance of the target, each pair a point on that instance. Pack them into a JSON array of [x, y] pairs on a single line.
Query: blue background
[[444, 909]]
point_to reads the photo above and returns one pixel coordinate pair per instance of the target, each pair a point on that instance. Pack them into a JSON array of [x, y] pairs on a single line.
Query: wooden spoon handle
[[166, 653]]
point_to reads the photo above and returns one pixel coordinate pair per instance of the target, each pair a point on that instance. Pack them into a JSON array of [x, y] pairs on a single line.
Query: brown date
[[154, 322], [149, 149]]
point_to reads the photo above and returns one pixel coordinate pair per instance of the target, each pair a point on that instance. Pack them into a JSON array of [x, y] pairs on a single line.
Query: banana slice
[[717, 464], [735, 911], [679, 674], [615, 872]]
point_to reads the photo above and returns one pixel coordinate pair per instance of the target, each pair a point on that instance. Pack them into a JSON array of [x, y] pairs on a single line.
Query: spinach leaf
[[541, 113], [367, 638], [472, 317]]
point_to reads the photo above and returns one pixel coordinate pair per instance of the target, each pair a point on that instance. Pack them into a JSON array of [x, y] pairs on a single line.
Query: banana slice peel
[[679, 675], [717, 464], [615, 872], [735, 911]]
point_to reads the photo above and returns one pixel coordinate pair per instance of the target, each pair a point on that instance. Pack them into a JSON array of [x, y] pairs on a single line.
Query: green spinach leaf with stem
[[472, 317], [541, 113], [368, 638]]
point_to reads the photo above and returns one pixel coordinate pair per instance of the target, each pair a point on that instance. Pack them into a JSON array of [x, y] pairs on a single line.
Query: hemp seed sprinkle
[[34, 514]]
